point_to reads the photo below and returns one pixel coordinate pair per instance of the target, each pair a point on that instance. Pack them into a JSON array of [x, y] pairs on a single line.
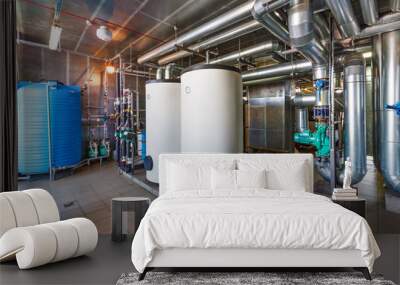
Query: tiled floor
[[89, 191]]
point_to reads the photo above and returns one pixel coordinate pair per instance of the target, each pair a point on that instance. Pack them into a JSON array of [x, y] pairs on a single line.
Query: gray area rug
[[243, 278]]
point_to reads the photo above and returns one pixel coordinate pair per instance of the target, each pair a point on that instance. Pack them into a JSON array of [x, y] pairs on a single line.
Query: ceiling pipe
[[343, 12], [287, 68], [304, 39], [266, 80], [261, 11], [369, 11], [222, 37], [264, 47], [228, 18]]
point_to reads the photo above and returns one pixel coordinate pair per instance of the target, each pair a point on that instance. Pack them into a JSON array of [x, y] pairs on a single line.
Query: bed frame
[[250, 259], [238, 259]]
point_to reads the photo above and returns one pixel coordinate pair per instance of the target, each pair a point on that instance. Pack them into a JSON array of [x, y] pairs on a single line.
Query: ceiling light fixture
[[104, 34], [110, 69], [55, 35]]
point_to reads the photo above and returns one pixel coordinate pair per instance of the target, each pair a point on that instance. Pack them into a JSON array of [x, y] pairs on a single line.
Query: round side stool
[[124, 208]]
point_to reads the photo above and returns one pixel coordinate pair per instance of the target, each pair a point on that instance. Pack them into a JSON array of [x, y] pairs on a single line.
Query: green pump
[[318, 139]]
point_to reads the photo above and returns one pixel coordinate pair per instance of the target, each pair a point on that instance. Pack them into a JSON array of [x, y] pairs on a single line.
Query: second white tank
[[211, 109], [162, 121]]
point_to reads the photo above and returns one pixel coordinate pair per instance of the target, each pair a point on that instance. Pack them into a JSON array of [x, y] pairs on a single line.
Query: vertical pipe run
[[389, 121], [302, 123], [354, 121]]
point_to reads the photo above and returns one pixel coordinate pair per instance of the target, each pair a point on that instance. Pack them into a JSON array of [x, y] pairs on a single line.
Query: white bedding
[[250, 219]]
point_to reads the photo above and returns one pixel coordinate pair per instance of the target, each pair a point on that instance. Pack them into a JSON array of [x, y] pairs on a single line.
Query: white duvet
[[250, 219]]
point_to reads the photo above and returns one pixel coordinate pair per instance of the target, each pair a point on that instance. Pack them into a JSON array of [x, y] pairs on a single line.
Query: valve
[[395, 107]]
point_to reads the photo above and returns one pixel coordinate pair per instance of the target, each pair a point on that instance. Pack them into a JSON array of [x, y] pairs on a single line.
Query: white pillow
[[188, 177], [223, 179], [251, 179], [282, 174], [293, 179]]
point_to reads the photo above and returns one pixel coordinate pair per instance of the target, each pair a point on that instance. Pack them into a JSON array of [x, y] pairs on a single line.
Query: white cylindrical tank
[[162, 121], [211, 109]]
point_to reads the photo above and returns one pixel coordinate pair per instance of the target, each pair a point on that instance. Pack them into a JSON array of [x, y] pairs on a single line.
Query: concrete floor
[[89, 191]]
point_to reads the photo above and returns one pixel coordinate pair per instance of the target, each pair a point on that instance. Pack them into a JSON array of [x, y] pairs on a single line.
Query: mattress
[[250, 219]]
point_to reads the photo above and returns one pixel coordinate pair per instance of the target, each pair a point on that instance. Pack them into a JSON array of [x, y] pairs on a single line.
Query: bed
[[246, 211]]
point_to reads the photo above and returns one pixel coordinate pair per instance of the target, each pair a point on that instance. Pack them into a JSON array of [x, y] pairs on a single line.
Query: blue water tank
[[49, 114]]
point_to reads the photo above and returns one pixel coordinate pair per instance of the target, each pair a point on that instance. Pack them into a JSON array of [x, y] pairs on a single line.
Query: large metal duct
[[355, 133], [343, 12], [222, 37], [380, 28], [369, 11], [264, 47], [300, 66], [226, 19], [261, 12], [388, 130], [354, 118], [303, 38]]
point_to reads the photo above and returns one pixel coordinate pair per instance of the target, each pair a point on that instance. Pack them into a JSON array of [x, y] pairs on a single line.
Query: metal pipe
[[222, 37], [301, 119], [354, 119], [264, 47], [343, 12], [261, 12], [389, 122], [395, 5], [369, 11], [266, 80], [378, 29], [218, 23], [287, 68], [172, 71], [304, 39], [303, 101], [160, 73]]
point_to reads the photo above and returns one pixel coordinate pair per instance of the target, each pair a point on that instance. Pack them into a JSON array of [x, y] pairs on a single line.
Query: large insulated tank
[[49, 126], [211, 109], [162, 122]]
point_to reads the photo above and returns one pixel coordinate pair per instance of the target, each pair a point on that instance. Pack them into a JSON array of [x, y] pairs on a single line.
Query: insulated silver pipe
[[379, 29], [266, 80], [303, 101], [160, 74], [261, 12], [354, 119], [222, 37], [343, 12], [388, 131], [303, 38], [395, 5], [287, 68], [264, 47], [301, 119], [369, 11], [218, 23]]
